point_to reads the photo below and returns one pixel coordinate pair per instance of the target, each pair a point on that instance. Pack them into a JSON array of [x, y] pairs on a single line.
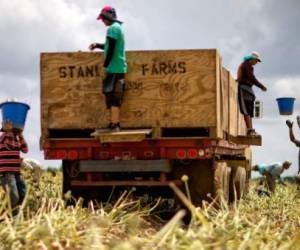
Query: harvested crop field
[[44, 222]]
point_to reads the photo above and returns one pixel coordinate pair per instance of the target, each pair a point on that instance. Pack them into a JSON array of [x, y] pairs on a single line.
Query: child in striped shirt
[[12, 143]]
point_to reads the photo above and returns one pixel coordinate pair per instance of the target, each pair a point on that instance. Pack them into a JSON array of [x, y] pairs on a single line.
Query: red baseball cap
[[107, 12]]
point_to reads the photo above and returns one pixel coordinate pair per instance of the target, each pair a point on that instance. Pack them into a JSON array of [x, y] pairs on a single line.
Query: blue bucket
[[15, 112], [286, 105]]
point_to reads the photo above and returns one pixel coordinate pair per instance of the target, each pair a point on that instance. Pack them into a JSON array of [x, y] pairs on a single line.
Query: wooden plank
[[107, 138], [246, 140], [122, 136], [242, 129], [218, 106], [122, 132], [233, 106], [225, 100]]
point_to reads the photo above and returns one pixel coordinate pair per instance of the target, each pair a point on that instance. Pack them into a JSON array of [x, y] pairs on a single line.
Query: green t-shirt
[[118, 62]]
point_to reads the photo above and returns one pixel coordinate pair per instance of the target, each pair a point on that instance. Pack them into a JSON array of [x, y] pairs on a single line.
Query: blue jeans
[[14, 183]]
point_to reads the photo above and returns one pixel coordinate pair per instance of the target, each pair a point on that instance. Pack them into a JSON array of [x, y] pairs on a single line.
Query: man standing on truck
[[114, 63], [246, 79], [11, 143], [272, 172]]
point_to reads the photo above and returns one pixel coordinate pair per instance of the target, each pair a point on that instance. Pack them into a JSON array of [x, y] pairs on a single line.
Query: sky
[[234, 27]]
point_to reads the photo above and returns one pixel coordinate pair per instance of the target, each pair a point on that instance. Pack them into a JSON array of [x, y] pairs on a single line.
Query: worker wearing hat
[[272, 172], [114, 63], [246, 79]]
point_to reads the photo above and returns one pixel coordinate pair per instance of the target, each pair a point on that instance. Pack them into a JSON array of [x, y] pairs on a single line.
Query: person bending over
[[272, 172]]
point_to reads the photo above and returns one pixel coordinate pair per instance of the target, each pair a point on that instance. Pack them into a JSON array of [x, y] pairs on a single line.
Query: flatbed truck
[[179, 117]]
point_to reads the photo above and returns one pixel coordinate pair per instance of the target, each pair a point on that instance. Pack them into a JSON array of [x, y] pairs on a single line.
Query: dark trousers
[[14, 184], [269, 180]]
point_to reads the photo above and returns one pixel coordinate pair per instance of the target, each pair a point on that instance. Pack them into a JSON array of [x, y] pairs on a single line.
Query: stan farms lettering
[[84, 71], [164, 68], [79, 71]]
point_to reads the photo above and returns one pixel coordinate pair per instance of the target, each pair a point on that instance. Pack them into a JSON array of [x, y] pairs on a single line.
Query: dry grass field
[[44, 222]]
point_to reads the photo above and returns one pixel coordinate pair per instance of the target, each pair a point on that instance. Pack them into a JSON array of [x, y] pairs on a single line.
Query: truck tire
[[66, 181], [69, 173], [239, 183], [221, 181], [200, 179]]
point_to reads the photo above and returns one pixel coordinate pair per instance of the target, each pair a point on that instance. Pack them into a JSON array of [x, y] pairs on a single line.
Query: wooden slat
[[233, 107], [225, 100], [242, 129], [247, 140], [218, 100], [122, 136]]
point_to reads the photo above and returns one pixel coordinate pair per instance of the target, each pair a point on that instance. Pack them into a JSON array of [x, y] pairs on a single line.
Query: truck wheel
[[238, 183], [200, 182], [66, 181], [200, 179], [68, 173], [247, 185], [221, 181]]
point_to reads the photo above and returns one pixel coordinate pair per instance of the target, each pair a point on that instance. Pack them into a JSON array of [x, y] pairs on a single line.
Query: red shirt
[[10, 146]]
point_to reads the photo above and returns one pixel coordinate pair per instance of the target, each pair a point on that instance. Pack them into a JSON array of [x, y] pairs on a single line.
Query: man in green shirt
[[114, 63]]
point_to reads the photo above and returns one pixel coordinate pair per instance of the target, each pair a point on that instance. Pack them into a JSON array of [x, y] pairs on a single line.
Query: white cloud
[[288, 86]]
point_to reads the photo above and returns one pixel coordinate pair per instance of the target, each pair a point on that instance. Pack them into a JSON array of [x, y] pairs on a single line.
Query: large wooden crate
[[164, 89]]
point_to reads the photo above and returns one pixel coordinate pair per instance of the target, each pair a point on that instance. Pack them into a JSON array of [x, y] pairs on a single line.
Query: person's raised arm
[[298, 120], [291, 132]]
